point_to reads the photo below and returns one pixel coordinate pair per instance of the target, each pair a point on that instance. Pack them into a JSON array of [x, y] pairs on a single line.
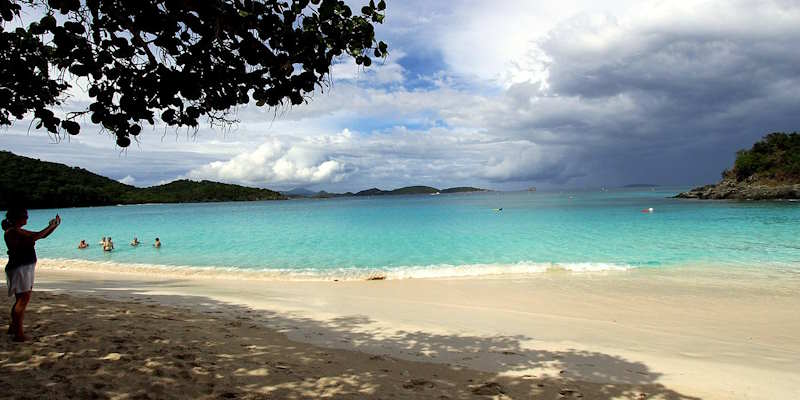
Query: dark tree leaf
[[123, 141], [71, 127], [182, 60]]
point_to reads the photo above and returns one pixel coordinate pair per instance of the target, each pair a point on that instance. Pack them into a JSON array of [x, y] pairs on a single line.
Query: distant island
[[463, 189], [42, 184], [408, 190], [770, 170], [298, 192]]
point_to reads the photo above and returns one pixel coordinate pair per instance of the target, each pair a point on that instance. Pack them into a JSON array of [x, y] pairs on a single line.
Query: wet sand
[[636, 334]]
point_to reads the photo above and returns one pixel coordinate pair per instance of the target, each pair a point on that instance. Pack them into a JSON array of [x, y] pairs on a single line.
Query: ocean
[[447, 235]]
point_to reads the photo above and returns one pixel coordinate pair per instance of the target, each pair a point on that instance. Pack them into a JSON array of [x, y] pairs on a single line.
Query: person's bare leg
[[19, 316], [12, 325]]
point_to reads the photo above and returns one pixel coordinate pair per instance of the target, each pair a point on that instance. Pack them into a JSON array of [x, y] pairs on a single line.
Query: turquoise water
[[453, 234]]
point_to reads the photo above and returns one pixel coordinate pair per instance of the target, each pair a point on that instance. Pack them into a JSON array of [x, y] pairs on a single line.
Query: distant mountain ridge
[[402, 190], [42, 184], [407, 190], [463, 189], [301, 192]]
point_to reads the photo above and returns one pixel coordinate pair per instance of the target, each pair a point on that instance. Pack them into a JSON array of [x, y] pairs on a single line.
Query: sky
[[501, 95]]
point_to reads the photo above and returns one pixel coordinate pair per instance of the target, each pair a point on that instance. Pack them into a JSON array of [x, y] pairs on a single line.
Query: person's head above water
[[15, 217]]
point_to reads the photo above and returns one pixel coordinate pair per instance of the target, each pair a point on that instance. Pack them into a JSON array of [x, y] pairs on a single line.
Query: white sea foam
[[482, 270], [440, 271]]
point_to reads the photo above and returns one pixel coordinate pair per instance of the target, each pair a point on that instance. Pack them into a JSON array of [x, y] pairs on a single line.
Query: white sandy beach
[[634, 334]]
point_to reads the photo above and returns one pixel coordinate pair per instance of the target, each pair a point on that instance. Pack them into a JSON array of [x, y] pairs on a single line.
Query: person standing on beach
[[21, 263]]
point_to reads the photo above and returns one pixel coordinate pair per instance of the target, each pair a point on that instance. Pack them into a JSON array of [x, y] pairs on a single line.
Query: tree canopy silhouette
[[173, 60], [775, 157]]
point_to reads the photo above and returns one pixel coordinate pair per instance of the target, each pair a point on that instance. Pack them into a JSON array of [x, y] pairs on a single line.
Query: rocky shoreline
[[748, 189]]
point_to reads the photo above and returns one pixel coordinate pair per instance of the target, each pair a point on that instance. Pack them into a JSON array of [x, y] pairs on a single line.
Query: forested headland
[[768, 170], [41, 184]]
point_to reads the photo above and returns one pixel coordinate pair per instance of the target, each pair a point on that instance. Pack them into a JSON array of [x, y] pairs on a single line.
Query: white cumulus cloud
[[128, 180], [280, 160]]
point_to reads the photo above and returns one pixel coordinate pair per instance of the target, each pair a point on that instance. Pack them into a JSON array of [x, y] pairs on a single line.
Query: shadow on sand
[[88, 347]]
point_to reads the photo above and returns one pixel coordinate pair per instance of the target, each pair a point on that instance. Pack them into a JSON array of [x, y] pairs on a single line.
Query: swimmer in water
[[109, 245]]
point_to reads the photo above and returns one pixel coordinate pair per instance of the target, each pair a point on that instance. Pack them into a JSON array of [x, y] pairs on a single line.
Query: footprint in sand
[[570, 393], [419, 384], [488, 389]]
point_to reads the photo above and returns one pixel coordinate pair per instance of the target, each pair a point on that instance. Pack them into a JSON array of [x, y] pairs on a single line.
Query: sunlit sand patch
[[112, 357], [209, 347]]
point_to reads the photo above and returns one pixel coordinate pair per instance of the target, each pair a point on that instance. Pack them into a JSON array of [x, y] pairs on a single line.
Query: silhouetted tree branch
[[174, 60]]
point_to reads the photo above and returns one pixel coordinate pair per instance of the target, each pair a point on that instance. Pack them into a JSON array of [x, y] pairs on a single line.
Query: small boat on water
[[532, 189]]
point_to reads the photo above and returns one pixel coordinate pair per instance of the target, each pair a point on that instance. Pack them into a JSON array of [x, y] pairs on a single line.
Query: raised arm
[[54, 223]]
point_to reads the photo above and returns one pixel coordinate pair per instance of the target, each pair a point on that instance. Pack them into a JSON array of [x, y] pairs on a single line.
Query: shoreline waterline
[[472, 271], [520, 270]]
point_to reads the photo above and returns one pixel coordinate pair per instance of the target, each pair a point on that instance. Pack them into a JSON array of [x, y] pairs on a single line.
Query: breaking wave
[[440, 271]]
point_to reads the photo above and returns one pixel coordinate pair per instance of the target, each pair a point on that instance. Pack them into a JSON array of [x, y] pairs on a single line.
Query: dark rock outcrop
[[770, 170], [749, 189]]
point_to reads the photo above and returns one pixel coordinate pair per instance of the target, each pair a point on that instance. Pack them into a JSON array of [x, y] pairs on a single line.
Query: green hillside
[[42, 184], [770, 170], [774, 158], [415, 190], [186, 191], [371, 192], [402, 190]]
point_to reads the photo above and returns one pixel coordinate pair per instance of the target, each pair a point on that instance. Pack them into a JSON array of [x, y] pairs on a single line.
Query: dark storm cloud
[[667, 99]]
